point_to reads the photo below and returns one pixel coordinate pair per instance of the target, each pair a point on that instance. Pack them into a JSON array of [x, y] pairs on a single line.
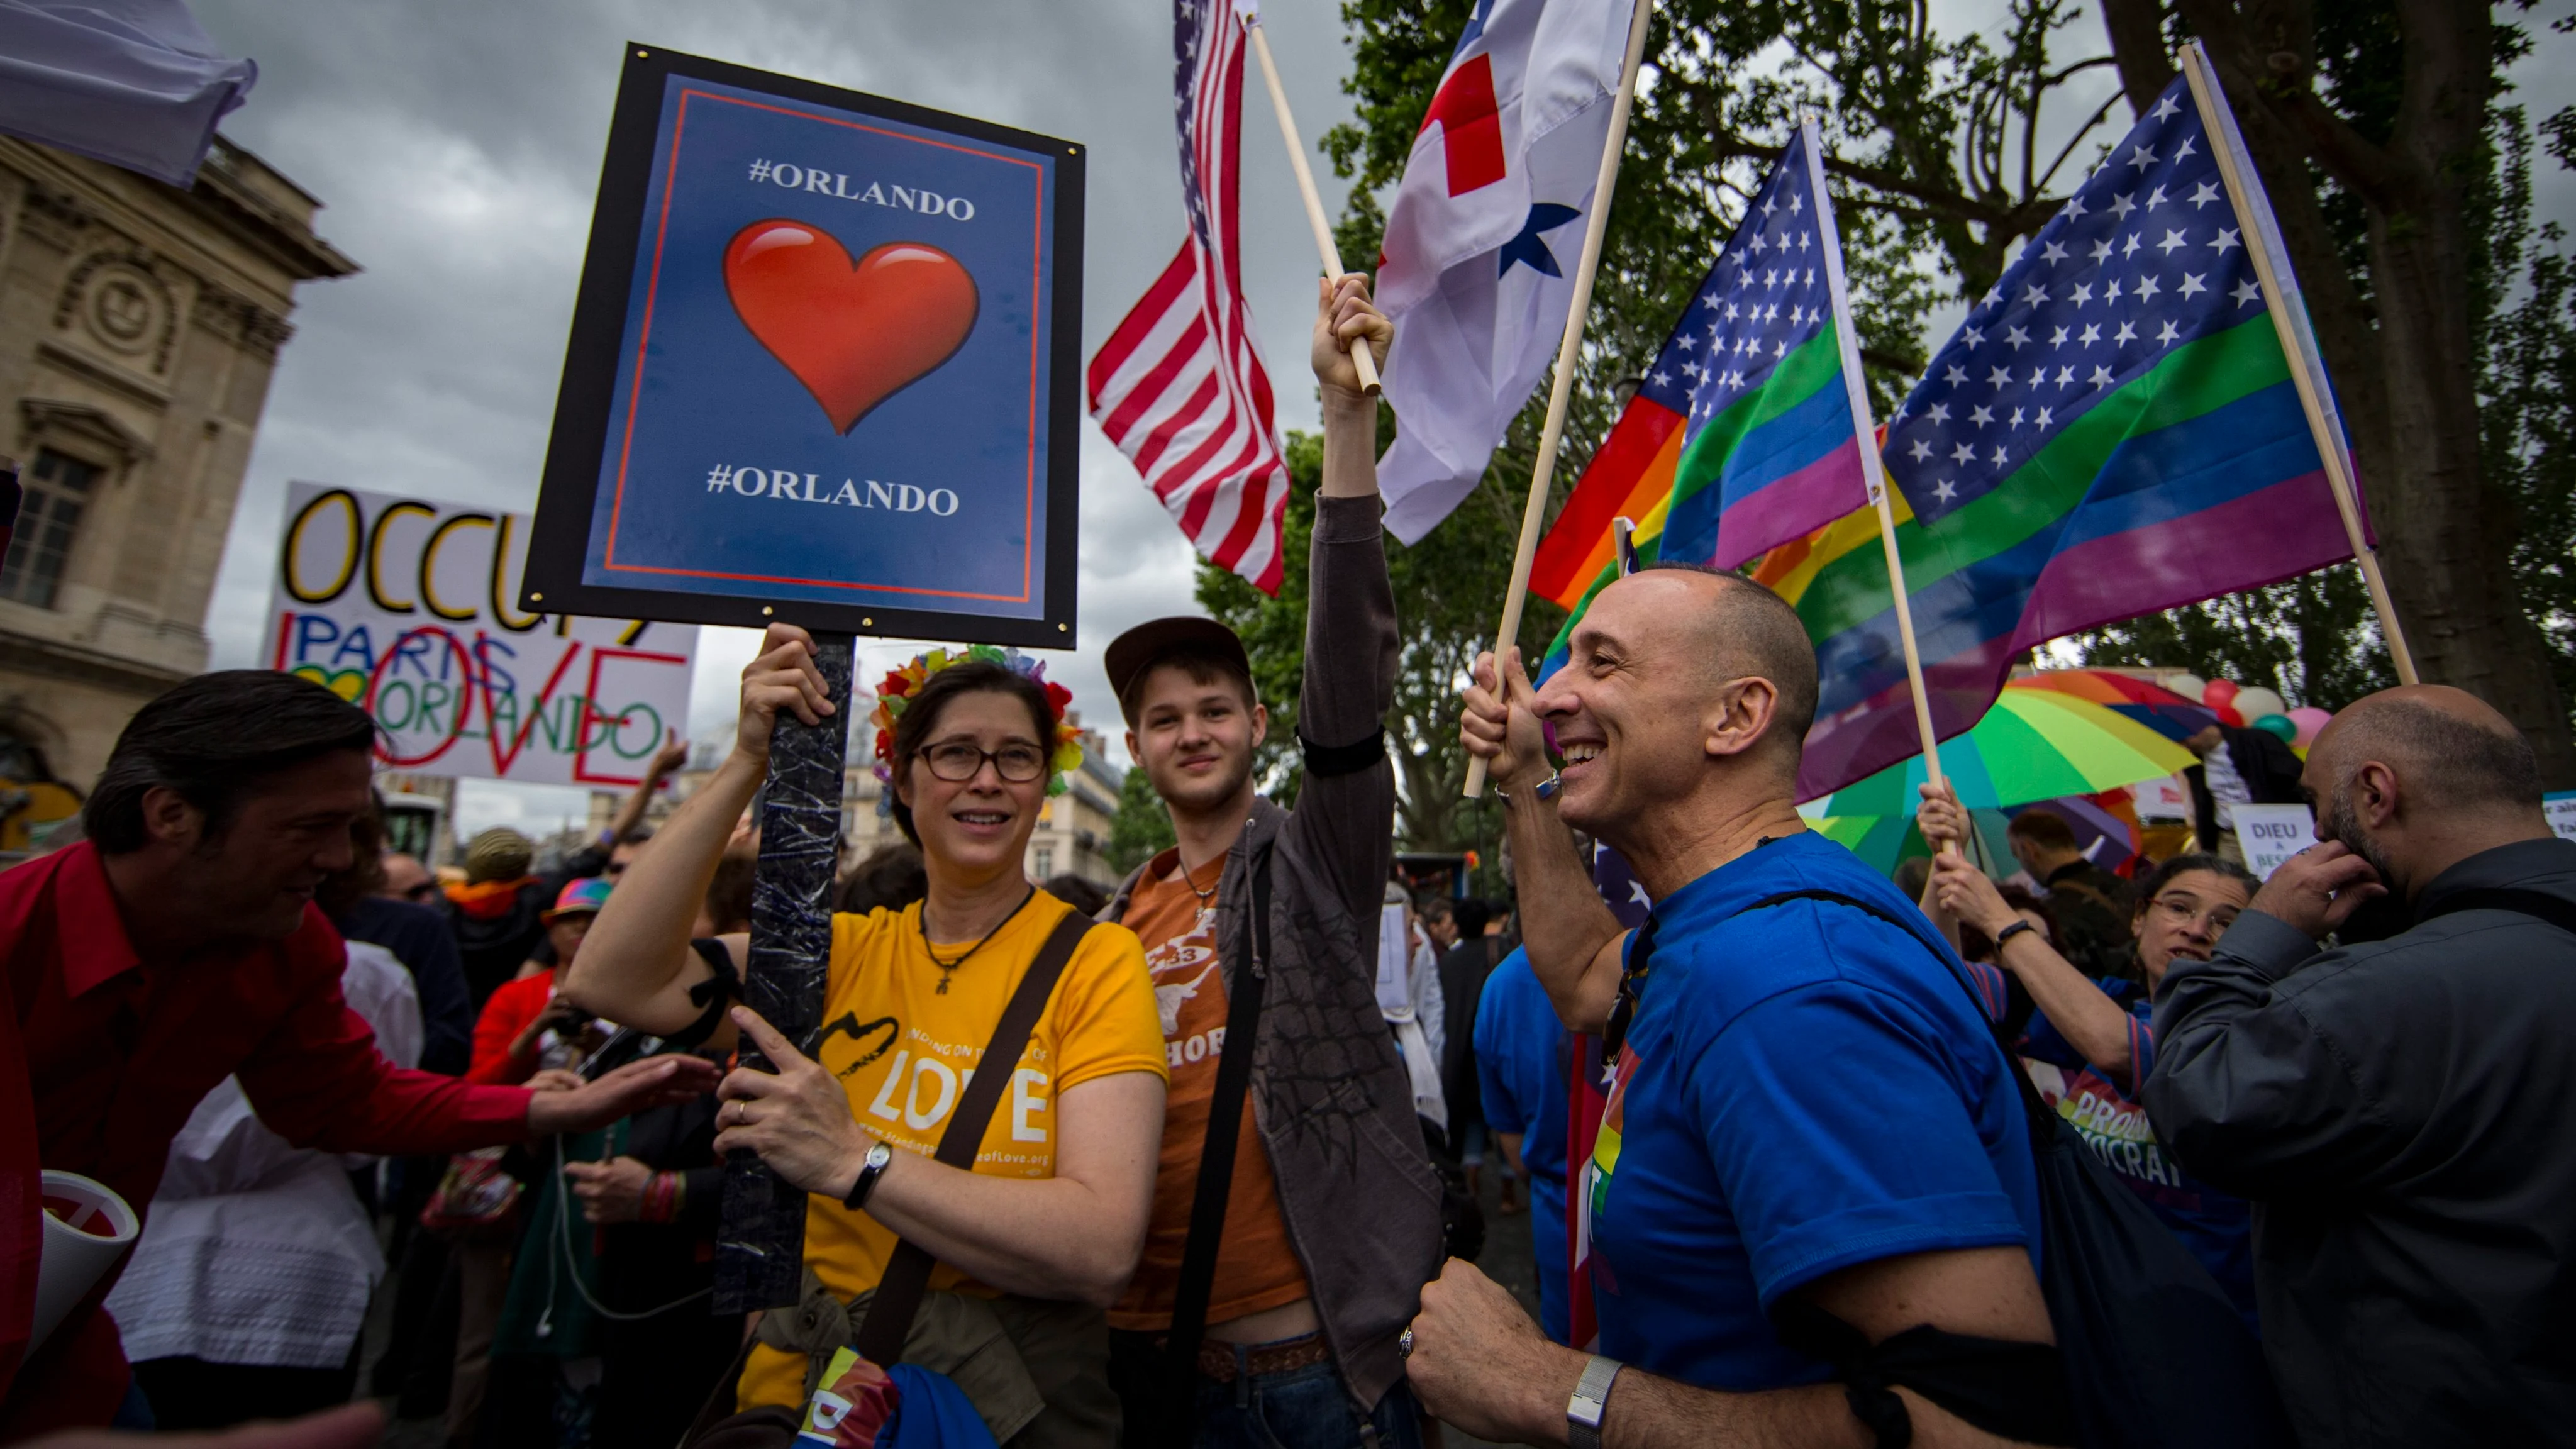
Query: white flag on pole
[[1483, 235]]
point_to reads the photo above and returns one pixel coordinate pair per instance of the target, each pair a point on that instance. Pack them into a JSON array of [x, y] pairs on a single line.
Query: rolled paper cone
[[87, 1229]]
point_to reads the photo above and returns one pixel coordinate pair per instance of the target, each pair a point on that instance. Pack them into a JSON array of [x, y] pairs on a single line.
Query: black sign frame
[[559, 540]]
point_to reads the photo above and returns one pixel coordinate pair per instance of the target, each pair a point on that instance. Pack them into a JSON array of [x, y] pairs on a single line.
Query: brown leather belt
[[1217, 1360]]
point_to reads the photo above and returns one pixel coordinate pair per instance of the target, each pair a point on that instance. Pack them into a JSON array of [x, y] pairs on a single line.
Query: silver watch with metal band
[[1591, 1396]]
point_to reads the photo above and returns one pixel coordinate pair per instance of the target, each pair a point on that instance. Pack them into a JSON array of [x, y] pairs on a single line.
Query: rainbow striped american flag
[[1740, 435], [2112, 432]]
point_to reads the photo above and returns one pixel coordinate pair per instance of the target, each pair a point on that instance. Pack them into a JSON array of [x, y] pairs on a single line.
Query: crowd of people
[[1196, 1160]]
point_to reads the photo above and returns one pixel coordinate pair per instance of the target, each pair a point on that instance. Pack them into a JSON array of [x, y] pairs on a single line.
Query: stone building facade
[[139, 328]]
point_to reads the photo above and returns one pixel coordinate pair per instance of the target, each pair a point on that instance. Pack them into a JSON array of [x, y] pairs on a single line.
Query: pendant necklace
[[949, 968], [1206, 897]]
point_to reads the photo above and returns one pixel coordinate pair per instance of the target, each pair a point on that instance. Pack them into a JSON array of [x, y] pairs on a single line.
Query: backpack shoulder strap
[[2041, 1119], [907, 1275], [2539, 905], [1224, 1131]]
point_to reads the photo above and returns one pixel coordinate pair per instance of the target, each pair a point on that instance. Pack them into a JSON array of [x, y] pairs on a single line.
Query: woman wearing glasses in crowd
[[1043, 1232], [2089, 1044]]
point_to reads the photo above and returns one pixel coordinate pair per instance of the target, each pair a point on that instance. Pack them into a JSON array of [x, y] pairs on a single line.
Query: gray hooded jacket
[[1332, 1101]]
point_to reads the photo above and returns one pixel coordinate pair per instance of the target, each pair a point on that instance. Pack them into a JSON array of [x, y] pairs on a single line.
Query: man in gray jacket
[[2398, 1110], [1331, 1213]]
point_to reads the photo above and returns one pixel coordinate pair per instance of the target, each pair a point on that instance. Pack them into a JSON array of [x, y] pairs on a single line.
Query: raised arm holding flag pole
[[1250, 10]]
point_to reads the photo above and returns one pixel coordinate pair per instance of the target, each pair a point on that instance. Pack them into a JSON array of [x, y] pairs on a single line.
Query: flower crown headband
[[900, 685]]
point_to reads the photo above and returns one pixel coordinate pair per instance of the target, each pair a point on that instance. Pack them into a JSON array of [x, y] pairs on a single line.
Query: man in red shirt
[[178, 945]]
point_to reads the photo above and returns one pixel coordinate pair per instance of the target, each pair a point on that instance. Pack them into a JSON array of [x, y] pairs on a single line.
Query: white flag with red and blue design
[[1481, 241]]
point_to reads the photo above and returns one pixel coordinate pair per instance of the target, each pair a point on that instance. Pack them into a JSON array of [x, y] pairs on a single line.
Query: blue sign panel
[[823, 368]]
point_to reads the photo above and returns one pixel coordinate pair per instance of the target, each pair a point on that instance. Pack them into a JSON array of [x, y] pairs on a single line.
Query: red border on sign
[[1037, 264]]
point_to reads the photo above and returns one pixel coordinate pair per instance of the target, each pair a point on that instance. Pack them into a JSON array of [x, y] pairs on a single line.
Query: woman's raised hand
[[783, 677], [1967, 895]]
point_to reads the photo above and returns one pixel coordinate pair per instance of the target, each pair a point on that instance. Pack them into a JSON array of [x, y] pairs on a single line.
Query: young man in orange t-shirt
[[1332, 1218]]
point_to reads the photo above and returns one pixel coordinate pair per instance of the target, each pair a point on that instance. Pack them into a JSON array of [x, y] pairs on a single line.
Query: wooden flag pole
[[1865, 434], [1360, 356], [2253, 208], [1561, 391]]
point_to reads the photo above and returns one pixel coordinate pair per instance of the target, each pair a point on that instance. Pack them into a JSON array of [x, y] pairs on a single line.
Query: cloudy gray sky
[[456, 148]]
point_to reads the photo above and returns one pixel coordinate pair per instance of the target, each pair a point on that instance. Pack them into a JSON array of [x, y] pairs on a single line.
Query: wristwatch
[[2007, 933], [871, 1167], [1591, 1396]]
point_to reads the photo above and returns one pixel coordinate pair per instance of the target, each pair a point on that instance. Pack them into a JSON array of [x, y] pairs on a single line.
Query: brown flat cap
[[1132, 653]]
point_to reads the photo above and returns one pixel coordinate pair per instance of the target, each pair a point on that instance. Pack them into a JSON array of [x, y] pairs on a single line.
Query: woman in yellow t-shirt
[[1054, 1211]]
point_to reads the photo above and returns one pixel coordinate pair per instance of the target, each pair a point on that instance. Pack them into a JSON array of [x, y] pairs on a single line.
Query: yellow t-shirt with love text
[[904, 1051]]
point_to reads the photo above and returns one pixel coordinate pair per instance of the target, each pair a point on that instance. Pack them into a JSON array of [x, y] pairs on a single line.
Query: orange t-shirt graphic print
[[1256, 1267]]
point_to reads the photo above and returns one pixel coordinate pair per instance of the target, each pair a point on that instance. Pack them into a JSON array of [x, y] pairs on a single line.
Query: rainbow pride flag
[[2112, 432], [1740, 436]]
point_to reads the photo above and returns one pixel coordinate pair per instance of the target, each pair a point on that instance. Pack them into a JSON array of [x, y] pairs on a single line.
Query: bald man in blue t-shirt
[[1812, 1142]]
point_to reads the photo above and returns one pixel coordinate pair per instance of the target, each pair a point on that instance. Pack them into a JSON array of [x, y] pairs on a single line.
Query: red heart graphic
[[853, 332]]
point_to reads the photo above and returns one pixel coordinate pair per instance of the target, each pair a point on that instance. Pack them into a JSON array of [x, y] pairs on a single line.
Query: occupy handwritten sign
[[824, 367], [403, 605], [2271, 834]]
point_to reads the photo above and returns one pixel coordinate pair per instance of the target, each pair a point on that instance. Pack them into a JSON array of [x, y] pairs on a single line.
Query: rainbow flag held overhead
[[2112, 432], [1740, 435]]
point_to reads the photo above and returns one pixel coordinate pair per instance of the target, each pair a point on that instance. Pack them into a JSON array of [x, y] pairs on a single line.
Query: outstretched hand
[[1498, 722], [797, 1116], [1344, 315], [632, 1088], [1967, 895]]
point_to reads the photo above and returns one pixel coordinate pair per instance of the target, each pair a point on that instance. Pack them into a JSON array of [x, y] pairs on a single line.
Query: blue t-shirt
[[2103, 1109], [1804, 1088], [1522, 1054]]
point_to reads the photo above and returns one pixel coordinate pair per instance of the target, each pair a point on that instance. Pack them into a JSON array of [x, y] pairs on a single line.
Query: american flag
[[1179, 386], [1765, 296], [2147, 256]]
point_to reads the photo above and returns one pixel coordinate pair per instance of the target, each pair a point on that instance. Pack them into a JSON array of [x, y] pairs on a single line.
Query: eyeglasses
[[2183, 911], [422, 891], [957, 761]]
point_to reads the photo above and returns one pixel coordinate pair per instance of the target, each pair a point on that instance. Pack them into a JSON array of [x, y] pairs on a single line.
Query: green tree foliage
[[1142, 829], [2527, 388]]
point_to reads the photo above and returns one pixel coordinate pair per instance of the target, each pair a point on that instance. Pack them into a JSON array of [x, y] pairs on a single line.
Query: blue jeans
[[1302, 1408]]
